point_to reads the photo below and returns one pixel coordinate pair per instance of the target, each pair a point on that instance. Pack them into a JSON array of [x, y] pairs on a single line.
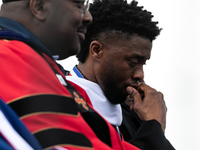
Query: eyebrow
[[140, 56]]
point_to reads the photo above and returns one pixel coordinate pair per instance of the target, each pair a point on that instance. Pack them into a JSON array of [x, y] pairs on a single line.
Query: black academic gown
[[147, 135]]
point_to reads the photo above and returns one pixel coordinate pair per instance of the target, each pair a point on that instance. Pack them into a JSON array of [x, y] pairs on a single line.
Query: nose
[[138, 75], [87, 19]]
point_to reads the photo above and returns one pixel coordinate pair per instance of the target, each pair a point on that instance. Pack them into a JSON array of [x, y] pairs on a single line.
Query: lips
[[81, 33], [135, 86]]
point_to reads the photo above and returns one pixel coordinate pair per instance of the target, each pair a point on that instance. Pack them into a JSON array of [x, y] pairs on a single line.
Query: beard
[[113, 94], [109, 80]]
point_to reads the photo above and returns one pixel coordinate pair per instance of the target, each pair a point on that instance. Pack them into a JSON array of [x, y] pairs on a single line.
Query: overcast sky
[[174, 67]]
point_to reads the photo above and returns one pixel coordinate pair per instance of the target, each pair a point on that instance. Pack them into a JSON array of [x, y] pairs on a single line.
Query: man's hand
[[148, 104]]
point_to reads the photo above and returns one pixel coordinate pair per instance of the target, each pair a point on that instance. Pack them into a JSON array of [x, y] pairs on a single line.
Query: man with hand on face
[[118, 43], [32, 33]]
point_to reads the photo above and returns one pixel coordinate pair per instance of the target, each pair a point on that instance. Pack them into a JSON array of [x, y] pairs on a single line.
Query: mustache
[[137, 83], [82, 27]]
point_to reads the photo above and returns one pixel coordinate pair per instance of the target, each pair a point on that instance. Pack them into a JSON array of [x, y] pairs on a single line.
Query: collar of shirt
[[111, 112], [29, 37]]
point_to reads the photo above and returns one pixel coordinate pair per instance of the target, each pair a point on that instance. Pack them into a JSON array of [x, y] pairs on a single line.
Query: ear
[[96, 50], [37, 8]]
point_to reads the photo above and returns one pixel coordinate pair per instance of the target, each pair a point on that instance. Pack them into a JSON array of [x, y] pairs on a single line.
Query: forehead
[[133, 46]]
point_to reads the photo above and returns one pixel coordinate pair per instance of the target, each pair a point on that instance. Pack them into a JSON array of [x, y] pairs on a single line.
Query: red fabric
[[82, 92], [25, 73]]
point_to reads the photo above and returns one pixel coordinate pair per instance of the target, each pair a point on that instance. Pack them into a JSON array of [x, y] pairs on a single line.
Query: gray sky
[[174, 67]]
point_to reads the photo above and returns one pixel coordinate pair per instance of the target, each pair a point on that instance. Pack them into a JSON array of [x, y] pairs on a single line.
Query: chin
[[74, 51], [116, 99]]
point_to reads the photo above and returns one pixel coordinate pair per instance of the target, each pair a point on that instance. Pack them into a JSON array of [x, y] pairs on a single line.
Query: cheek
[[123, 78], [122, 72], [71, 21], [119, 77], [77, 18]]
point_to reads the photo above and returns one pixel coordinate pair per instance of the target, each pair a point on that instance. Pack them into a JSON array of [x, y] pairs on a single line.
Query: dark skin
[[59, 24], [150, 105], [117, 66]]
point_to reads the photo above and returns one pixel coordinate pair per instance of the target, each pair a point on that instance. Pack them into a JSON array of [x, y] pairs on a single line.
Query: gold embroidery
[[80, 100], [6, 40]]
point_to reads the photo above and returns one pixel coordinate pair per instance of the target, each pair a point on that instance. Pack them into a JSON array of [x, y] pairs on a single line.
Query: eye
[[83, 5], [80, 4], [133, 61]]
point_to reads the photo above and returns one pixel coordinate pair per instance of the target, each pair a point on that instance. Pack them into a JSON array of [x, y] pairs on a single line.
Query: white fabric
[[112, 113], [73, 74], [11, 135], [55, 57]]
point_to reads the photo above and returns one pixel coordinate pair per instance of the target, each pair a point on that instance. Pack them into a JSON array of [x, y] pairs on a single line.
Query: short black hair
[[117, 16]]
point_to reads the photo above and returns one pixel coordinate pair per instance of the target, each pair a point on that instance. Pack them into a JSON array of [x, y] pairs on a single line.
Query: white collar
[[111, 112]]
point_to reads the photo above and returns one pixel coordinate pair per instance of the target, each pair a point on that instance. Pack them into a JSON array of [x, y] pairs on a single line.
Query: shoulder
[[82, 92]]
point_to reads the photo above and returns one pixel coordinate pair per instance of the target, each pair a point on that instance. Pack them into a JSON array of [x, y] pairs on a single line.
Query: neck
[[81, 72], [87, 71]]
